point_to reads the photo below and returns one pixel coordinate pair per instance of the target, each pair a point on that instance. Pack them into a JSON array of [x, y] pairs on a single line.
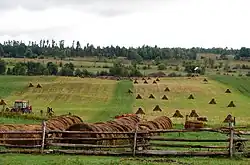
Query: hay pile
[[228, 91], [231, 104], [140, 112], [177, 114], [193, 114], [194, 124], [31, 85], [138, 96], [151, 96], [212, 101], [191, 97], [164, 97], [39, 86]]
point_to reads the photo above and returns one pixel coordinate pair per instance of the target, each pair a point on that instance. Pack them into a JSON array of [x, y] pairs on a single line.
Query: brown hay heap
[[157, 108], [167, 89], [154, 82], [203, 118], [212, 101], [231, 104], [130, 91], [149, 78], [2, 102], [228, 91], [31, 85], [228, 119], [39, 86], [193, 114], [177, 114], [140, 112], [205, 80], [162, 122], [164, 97], [143, 78], [135, 82], [194, 124], [151, 96], [138, 96], [157, 79], [145, 82], [191, 97]]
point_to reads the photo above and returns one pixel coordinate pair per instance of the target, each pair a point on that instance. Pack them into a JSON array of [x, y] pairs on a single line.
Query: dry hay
[[140, 111], [149, 78], [231, 104], [203, 118], [167, 89], [228, 119], [39, 86], [135, 82], [145, 82], [31, 85], [2, 102], [205, 80], [212, 101], [157, 108], [151, 96], [191, 97], [193, 114], [154, 82], [194, 124], [138, 96], [130, 91], [157, 79], [164, 97], [143, 79], [228, 91], [177, 114]]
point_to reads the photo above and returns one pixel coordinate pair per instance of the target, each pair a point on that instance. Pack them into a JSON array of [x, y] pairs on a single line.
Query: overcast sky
[[166, 23]]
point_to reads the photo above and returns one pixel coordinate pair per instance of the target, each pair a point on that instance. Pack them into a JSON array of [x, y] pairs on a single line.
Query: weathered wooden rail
[[143, 143]]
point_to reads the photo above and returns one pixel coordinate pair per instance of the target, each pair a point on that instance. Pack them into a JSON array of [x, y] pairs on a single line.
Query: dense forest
[[58, 49]]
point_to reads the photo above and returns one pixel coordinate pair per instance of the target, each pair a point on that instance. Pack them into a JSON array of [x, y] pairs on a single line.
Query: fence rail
[[123, 143]]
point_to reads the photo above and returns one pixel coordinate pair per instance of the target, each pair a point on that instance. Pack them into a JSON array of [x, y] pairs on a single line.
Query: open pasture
[[180, 90]]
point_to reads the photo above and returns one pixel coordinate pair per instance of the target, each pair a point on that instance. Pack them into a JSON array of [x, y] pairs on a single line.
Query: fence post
[[135, 139], [43, 135], [231, 143]]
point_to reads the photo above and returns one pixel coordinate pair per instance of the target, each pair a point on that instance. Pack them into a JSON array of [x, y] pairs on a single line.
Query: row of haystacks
[[56, 123], [123, 124]]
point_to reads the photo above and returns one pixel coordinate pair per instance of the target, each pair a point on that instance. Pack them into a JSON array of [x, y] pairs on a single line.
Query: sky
[[165, 23]]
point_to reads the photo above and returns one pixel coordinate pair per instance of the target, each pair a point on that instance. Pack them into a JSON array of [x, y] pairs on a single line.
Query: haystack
[[157, 79], [151, 96], [39, 86], [191, 97], [143, 78], [212, 101], [135, 82], [205, 80], [140, 112], [157, 108], [149, 78], [228, 119], [231, 104], [193, 114], [164, 97], [31, 85], [130, 91], [228, 91], [203, 118], [2, 102], [145, 82], [138, 96], [167, 89], [177, 114], [154, 82]]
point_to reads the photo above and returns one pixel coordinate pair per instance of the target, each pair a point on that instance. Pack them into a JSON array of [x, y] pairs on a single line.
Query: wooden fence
[[143, 143]]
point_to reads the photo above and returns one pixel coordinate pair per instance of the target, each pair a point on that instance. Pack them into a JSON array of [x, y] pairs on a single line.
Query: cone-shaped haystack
[[228, 91], [143, 78], [151, 96], [231, 104], [164, 97], [157, 79], [145, 82], [31, 85], [205, 80], [193, 114], [228, 119], [130, 91], [177, 114], [135, 82], [191, 97], [167, 89], [149, 78], [140, 112], [2, 102], [154, 82], [212, 101], [138, 96], [39, 86], [157, 108]]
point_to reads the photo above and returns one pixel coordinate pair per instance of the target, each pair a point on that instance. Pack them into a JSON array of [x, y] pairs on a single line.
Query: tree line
[[48, 48]]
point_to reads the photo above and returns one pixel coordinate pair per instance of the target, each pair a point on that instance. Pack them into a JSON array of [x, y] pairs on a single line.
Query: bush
[[161, 66]]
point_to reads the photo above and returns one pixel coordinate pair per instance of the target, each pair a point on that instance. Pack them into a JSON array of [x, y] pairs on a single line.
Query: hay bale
[[138, 96], [140, 112], [191, 97], [177, 114], [157, 108], [130, 91], [151, 96], [193, 114], [194, 124], [135, 82], [228, 91], [164, 97], [154, 82], [39, 86], [31, 85], [145, 82], [203, 118], [212, 101], [157, 79], [228, 119], [167, 89], [231, 104]]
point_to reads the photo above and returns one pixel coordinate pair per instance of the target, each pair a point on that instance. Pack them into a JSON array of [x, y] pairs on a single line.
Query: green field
[[101, 100]]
